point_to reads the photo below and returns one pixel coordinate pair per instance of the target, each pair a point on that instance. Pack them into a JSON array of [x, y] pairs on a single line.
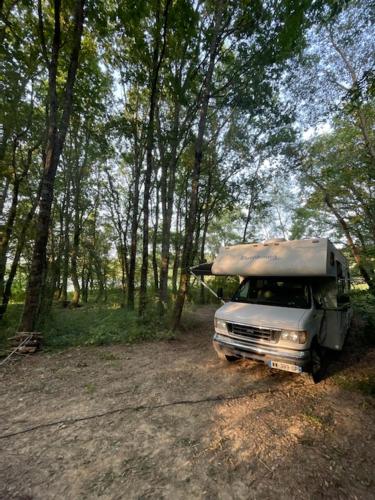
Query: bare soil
[[169, 420]]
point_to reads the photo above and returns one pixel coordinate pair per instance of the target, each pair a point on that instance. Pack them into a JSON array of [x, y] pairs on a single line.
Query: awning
[[202, 269]]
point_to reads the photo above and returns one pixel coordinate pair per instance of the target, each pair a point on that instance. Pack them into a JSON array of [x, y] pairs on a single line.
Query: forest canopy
[[137, 137]]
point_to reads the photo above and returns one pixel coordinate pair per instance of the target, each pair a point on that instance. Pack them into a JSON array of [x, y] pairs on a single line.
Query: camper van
[[292, 303]]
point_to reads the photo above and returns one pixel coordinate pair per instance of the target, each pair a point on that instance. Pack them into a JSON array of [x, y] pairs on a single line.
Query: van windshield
[[282, 292]]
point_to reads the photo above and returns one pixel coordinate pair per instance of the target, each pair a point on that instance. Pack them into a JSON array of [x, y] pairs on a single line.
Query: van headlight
[[220, 325], [294, 337]]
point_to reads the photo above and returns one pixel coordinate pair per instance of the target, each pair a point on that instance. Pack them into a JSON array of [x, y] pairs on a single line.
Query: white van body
[[292, 302]]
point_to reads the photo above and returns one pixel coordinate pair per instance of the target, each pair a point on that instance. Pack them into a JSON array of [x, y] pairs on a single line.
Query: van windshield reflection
[[281, 292]]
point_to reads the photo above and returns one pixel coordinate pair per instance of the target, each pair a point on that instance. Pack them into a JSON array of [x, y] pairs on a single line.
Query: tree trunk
[[17, 255], [3, 195], [157, 58], [198, 155], [7, 233], [55, 142], [154, 241], [368, 276], [167, 211], [66, 250]]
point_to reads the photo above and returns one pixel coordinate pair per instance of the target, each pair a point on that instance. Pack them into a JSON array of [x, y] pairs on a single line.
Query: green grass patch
[[92, 324], [101, 325], [363, 383], [9, 324], [318, 421]]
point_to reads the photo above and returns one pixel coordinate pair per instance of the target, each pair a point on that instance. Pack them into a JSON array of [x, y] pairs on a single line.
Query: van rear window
[[282, 292]]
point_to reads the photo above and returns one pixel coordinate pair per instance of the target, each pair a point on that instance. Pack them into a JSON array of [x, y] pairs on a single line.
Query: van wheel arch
[[318, 361]]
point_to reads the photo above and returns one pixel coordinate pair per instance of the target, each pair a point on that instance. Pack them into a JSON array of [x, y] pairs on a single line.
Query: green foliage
[[94, 324], [100, 325], [364, 383], [363, 303], [229, 284]]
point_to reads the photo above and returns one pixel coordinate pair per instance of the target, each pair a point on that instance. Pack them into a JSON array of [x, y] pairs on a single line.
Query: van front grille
[[252, 332]]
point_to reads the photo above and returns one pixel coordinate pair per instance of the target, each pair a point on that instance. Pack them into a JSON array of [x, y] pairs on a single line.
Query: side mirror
[[220, 293]]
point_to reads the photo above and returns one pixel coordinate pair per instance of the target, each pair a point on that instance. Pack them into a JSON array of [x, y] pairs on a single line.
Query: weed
[[92, 324], [107, 356], [90, 388], [314, 419], [363, 383]]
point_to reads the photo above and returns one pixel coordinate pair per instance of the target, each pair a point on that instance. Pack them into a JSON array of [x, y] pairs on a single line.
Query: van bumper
[[224, 345]]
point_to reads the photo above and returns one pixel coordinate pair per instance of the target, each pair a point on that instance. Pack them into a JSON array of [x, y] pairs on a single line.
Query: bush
[[101, 325], [363, 303], [92, 324]]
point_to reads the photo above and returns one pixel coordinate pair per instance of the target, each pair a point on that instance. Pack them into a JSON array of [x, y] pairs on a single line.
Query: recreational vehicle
[[291, 305]]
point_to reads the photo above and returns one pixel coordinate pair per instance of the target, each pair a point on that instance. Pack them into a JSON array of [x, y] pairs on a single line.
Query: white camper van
[[291, 305]]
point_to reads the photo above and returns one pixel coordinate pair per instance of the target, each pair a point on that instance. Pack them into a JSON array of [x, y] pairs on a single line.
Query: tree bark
[[57, 129], [198, 155], [17, 255], [357, 255], [168, 189], [6, 235], [154, 240], [157, 58]]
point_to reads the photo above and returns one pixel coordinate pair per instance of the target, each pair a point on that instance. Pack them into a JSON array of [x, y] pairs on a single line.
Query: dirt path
[[169, 420]]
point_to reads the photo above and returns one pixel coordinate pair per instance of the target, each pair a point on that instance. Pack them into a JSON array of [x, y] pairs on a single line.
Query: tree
[[59, 110]]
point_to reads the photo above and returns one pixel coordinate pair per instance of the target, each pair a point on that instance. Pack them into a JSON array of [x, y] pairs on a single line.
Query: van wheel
[[318, 366]]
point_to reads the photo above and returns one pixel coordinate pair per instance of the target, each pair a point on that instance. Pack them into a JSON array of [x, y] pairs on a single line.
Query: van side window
[[332, 258], [340, 278]]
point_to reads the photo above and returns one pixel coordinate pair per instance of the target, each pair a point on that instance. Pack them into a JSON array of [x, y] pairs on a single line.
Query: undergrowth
[[358, 382], [363, 304], [101, 325], [91, 324]]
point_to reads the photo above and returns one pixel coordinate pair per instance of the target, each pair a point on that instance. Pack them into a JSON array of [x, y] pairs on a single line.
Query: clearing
[[168, 420]]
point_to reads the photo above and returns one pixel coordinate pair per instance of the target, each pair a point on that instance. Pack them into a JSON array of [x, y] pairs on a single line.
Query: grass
[[363, 383], [318, 421], [92, 324]]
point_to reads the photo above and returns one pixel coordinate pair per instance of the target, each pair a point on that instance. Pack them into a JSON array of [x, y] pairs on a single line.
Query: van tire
[[318, 363]]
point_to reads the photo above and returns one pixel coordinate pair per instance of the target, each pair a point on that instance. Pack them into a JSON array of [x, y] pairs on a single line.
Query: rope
[[16, 349]]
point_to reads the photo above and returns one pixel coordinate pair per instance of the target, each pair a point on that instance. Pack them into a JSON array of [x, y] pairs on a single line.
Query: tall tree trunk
[[17, 255], [154, 240], [79, 169], [134, 206], [3, 194], [198, 155], [204, 233], [157, 58], [367, 275], [66, 249], [133, 234], [167, 210], [57, 129], [176, 260], [6, 235]]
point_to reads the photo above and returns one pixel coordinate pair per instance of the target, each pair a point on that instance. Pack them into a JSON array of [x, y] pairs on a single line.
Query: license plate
[[285, 366]]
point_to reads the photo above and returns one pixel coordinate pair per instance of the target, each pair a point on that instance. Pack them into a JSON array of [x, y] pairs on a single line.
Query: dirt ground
[[169, 420]]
